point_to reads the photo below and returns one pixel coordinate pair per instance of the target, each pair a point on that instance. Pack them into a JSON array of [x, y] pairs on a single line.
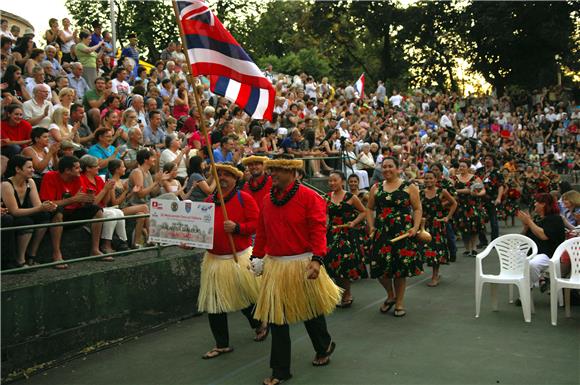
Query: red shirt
[[54, 188], [88, 186], [243, 210], [295, 228], [260, 194], [16, 133]]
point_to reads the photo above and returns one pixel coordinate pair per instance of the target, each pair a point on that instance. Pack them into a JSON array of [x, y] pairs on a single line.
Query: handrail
[[78, 222], [157, 247]]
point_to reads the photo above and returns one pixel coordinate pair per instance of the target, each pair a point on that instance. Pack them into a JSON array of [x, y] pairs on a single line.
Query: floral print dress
[[393, 218], [468, 217], [344, 256], [436, 251], [511, 201]]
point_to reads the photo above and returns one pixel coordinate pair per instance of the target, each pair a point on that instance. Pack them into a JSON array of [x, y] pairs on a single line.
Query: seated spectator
[[134, 145], [60, 129], [94, 100], [15, 133], [120, 87], [63, 187], [38, 110], [172, 185], [77, 117], [22, 50], [93, 184], [153, 134], [78, 82], [15, 85], [570, 208], [200, 187], [141, 182], [51, 35], [51, 56], [128, 121], [120, 195], [548, 232], [181, 100], [20, 196], [138, 105], [66, 98], [103, 150], [173, 154], [37, 56], [37, 76], [226, 151], [113, 104], [44, 155]]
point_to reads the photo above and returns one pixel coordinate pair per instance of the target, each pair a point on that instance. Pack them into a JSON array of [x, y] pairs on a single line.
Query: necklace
[[214, 197], [259, 186], [286, 198]]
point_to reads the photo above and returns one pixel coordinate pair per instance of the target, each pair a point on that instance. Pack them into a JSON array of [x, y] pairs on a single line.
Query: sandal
[[108, 259], [433, 284], [387, 305], [275, 381], [62, 266], [345, 303], [216, 352], [324, 357], [400, 313], [30, 261], [262, 333]]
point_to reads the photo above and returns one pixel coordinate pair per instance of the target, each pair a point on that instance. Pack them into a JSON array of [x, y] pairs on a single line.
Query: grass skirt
[[226, 286], [288, 296]]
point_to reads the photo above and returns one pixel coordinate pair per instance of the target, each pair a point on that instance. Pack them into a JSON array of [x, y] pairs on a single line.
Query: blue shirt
[[80, 85], [289, 143], [153, 138], [98, 151], [218, 157]]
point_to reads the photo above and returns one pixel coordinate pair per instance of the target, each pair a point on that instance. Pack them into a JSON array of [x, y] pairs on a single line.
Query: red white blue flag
[[359, 86], [214, 52]]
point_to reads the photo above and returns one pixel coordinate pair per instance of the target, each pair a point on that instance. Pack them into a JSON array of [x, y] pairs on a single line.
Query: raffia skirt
[[227, 286], [288, 296]]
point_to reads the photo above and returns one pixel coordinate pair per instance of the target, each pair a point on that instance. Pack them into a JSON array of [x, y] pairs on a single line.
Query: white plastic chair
[[557, 283], [514, 259]]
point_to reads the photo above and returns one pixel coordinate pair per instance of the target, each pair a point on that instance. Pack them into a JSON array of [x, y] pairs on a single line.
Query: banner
[[182, 222]]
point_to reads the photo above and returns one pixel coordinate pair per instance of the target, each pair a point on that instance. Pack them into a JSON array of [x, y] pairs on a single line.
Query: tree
[[517, 43], [153, 22]]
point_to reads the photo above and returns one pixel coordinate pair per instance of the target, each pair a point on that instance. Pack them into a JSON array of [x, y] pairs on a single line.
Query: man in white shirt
[[396, 99], [38, 110], [381, 94], [119, 86]]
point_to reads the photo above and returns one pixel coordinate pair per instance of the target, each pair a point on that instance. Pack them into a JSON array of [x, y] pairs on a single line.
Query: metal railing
[[157, 247]]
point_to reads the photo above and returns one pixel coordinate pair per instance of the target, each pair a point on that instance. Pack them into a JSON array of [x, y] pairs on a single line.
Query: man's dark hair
[[75, 107], [143, 155], [224, 140], [67, 163], [153, 113]]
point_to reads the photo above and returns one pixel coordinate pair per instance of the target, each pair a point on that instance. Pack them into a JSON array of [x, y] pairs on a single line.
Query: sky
[[37, 12]]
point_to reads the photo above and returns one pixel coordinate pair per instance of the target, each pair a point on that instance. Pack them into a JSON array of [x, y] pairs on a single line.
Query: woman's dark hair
[[12, 107], [139, 90], [353, 176], [143, 155], [114, 165], [438, 166], [36, 133], [22, 46], [329, 134], [565, 186], [169, 166], [83, 35], [110, 100], [194, 165], [551, 205], [393, 159], [36, 52], [9, 75], [100, 132], [466, 161], [338, 173], [17, 161], [269, 131]]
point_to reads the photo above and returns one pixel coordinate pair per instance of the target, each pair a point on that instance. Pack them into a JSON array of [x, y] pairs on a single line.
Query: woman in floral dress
[[511, 199], [344, 259], [397, 206], [469, 219], [432, 198]]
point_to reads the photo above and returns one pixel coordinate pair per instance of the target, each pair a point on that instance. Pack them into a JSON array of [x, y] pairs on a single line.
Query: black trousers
[[218, 324], [492, 213], [281, 344]]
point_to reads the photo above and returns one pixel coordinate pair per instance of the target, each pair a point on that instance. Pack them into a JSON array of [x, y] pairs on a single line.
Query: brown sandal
[[262, 333], [216, 352], [275, 381]]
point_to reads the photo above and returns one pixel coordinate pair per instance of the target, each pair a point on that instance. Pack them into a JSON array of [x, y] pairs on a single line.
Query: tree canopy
[[523, 44]]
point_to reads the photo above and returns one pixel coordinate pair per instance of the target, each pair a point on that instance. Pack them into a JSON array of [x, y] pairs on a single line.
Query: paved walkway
[[438, 342]]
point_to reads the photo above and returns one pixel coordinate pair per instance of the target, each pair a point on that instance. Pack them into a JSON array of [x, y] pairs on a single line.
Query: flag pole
[[204, 131]]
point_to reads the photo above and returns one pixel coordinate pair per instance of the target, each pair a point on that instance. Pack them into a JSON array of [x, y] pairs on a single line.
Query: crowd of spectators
[[86, 135]]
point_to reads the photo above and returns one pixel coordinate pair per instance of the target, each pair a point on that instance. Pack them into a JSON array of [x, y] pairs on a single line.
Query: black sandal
[[216, 352], [388, 304], [275, 381], [262, 333], [326, 356]]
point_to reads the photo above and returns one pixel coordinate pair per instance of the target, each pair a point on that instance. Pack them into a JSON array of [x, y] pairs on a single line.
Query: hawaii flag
[[214, 52], [359, 86]]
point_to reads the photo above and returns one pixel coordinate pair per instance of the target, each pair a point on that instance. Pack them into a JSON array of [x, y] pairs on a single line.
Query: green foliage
[[152, 21], [307, 60]]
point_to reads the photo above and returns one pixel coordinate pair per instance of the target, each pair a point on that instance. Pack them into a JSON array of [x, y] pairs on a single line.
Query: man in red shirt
[[227, 286], [295, 287], [64, 188], [260, 183]]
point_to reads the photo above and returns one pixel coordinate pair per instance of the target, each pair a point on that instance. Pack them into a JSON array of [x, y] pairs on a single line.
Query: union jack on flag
[[214, 52]]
